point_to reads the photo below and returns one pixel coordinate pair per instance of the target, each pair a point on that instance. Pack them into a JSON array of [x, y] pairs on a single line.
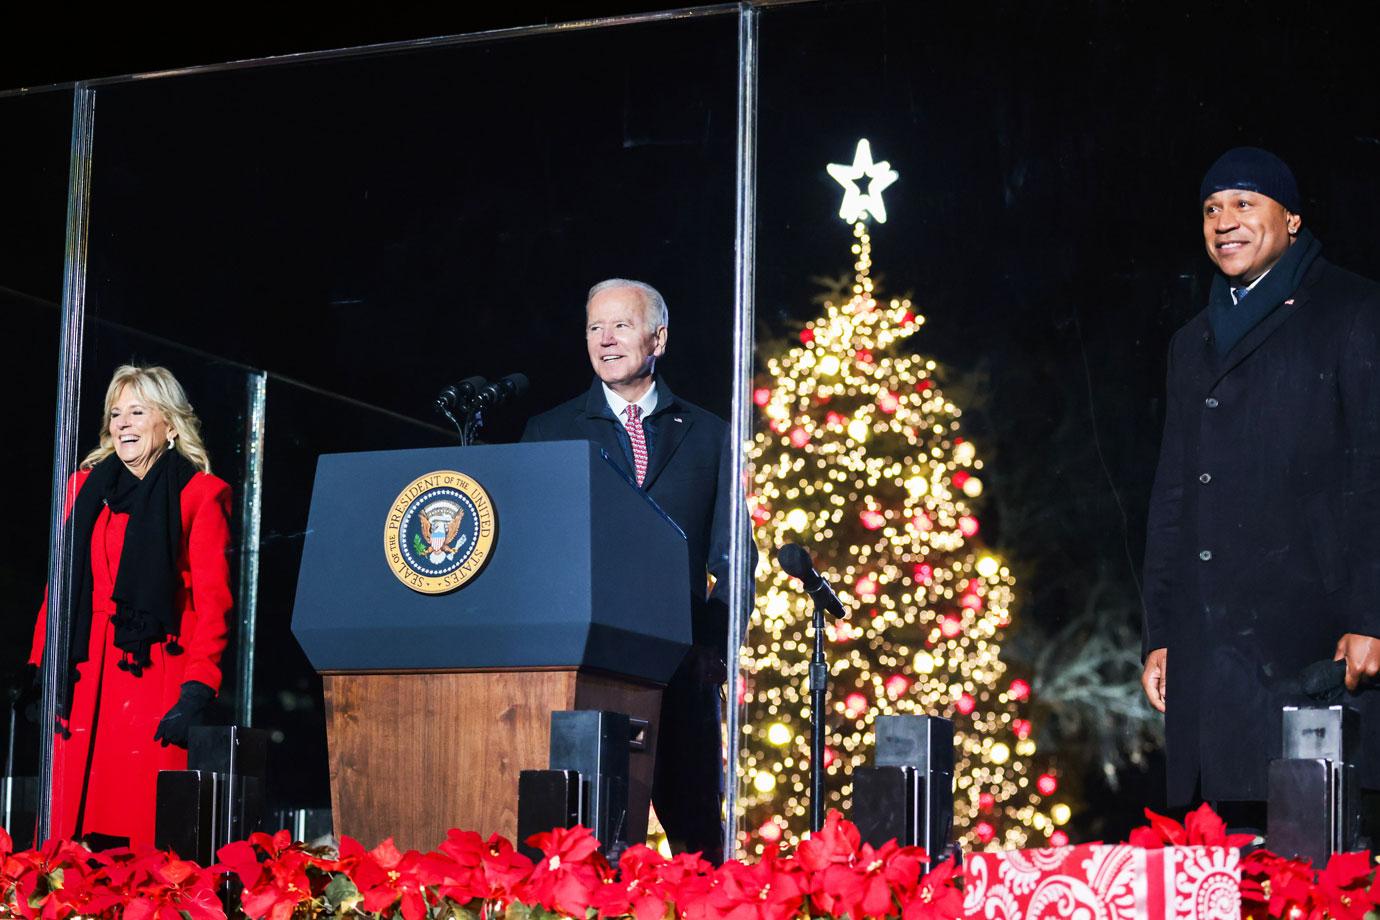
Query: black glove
[[185, 715]]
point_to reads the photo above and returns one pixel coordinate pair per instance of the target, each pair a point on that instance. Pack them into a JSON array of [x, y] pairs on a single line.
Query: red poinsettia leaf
[[242, 859], [387, 854], [648, 907], [1146, 838], [176, 871], [1347, 870], [1170, 831], [139, 909], [201, 904]]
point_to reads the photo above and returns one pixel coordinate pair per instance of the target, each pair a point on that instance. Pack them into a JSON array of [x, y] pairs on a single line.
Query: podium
[[577, 597]]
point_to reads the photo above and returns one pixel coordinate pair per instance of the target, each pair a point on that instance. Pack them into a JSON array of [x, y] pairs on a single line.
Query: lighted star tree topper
[[860, 457]]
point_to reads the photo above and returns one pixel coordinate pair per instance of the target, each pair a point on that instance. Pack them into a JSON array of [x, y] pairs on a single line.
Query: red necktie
[[639, 441]]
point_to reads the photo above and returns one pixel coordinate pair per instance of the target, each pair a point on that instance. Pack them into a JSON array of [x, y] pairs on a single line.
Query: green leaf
[[342, 892], [417, 545], [517, 911]]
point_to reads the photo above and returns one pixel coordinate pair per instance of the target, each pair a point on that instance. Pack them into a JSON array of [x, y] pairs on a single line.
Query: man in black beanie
[[1263, 544]]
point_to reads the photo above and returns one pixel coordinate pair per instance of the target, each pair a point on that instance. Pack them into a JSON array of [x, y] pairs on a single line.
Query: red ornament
[[1020, 690], [896, 685], [829, 757], [922, 522], [863, 356], [972, 602], [1047, 784], [854, 705], [888, 402], [924, 386], [950, 626], [807, 335], [761, 396], [965, 703], [777, 425], [907, 318], [833, 418], [872, 520], [770, 831], [800, 437], [968, 525], [866, 586], [742, 689], [1021, 727], [923, 573], [986, 802], [984, 832], [761, 515], [960, 478], [1058, 839]]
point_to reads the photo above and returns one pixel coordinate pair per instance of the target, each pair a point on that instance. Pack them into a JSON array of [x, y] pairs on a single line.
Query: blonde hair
[[159, 389]]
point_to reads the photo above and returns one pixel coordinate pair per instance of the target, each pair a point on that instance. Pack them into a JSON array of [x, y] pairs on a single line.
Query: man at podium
[[677, 453]]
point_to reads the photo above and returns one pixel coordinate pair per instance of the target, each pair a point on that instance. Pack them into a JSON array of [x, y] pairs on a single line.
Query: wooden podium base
[[415, 754]]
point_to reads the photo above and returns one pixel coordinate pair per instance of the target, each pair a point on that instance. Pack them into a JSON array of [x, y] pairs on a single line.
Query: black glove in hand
[[177, 725]]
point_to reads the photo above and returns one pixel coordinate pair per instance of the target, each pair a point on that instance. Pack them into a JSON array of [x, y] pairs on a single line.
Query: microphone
[[459, 395], [795, 561], [502, 391]]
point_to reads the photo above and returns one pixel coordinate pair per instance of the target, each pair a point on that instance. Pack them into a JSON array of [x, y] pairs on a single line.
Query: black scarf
[[1231, 321], [147, 582]]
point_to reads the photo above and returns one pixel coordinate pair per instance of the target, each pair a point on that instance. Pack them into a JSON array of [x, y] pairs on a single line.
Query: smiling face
[[1246, 233], [623, 345], [138, 431]]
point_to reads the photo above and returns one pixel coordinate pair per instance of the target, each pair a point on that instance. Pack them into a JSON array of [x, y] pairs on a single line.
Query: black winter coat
[[688, 476], [1264, 529]]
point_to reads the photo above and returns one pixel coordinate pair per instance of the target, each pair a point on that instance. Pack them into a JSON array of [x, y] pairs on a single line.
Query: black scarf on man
[[146, 585], [1231, 321]]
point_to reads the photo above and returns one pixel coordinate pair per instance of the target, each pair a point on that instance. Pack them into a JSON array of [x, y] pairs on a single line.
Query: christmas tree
[[860, 458]]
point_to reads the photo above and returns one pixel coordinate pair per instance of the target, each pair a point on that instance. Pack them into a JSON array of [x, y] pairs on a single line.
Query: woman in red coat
[[148, 608]]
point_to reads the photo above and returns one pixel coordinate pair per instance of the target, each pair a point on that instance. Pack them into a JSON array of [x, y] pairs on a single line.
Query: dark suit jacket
[[1264, 531], [688, 476]]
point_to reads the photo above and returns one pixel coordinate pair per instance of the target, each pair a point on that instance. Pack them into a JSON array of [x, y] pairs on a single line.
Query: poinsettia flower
[[282, 886], [764, 891], [386, 876], [1204, 828], [569, 872], [1285, 886], [836, 842], [457, 870], [505, 869], [1341, 887], [51, 881], [1201, 827], [938, 896]]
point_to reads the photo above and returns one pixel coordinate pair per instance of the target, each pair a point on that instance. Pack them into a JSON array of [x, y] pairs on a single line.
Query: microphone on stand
[[795, 561], [502, 391], [459, 396]]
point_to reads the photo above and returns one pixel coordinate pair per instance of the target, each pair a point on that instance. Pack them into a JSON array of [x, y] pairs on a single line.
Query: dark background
[[369, 226]]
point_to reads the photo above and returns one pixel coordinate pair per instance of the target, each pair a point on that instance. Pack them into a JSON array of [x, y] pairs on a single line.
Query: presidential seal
[[440, 532]]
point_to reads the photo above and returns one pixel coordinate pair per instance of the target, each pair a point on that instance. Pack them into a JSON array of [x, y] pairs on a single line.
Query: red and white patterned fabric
[[1097, 882], [638, 439]]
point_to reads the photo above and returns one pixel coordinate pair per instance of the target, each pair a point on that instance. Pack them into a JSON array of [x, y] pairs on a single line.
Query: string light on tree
[[862, 458]]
